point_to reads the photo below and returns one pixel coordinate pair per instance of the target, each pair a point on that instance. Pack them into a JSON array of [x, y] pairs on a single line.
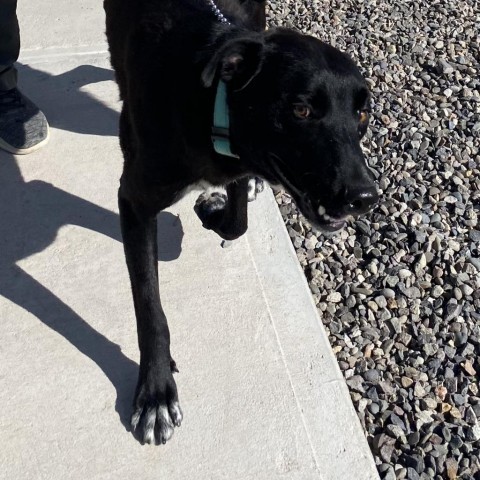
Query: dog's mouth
[[318, 217], [328, 224]]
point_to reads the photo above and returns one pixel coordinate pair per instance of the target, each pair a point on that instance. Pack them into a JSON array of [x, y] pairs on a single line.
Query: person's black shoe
[[23, 127]]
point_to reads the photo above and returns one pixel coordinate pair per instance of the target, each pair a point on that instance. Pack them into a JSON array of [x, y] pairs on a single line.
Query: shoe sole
[[24, 151]]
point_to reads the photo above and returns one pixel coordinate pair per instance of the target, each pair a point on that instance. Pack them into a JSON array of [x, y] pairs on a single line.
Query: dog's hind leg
[[225, 214]]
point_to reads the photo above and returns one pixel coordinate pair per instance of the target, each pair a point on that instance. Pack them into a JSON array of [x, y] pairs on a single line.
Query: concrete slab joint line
[[272, 321]]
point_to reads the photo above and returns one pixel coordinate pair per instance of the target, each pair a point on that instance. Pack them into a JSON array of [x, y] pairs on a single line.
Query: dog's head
[[298, 109]]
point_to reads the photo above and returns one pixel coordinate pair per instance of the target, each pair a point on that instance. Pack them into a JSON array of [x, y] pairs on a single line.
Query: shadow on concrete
[[31, 214], [64, 90]]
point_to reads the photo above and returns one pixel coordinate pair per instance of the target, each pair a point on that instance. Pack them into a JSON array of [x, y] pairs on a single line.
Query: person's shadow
[[31, 214], [62, 95]]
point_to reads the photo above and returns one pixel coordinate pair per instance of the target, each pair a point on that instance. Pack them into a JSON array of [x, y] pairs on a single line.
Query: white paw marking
[[149, 436], [176, 413], [150, 418], [135, 419], [165, 424], [255, 186], [164, 416], [252, 190]]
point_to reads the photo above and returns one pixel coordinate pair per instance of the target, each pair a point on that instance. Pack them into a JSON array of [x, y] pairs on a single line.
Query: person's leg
[[9, 44], [23, 127]]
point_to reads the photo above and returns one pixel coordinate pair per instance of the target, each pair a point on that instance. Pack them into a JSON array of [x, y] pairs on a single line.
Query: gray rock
[[334, 297], [445, 67], [389, 474], [388, 293], [470, 416], [472, 434], [381, 301], [356, 383], [474, 235], [456, 442], [372, 376], [475, 262], [415, 461], [412, 474], [414, 438]]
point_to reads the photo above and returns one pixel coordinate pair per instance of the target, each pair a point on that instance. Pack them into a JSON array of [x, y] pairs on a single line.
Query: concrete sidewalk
[[262, 395]]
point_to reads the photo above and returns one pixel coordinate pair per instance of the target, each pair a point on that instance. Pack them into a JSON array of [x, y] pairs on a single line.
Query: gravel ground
[[399, 291]]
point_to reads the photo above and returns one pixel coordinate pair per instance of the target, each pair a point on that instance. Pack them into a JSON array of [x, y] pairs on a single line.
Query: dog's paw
[[156, 410], [255, 186], [209, 209]]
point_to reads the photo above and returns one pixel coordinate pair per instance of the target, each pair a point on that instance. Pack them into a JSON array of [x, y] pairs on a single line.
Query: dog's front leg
[[156, 408]]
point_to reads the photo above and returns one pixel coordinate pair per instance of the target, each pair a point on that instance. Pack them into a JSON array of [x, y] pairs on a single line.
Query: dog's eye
[[362, 116], [301, 111]]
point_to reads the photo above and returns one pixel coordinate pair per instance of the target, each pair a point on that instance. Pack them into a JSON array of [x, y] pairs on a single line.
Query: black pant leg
[[9, 44]]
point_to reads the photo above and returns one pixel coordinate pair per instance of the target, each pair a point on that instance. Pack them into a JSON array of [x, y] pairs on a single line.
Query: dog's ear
[[236, 63]]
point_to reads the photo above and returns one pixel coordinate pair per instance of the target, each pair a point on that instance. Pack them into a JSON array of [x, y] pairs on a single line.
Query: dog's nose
[[360, 200]]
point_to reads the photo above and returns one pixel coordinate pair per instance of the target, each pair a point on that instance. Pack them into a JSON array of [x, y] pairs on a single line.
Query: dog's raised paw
[[209, 208], [255, 186], [156, 413], [211, 202]]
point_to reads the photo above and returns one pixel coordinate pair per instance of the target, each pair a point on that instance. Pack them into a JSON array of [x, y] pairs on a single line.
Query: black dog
[[297, 110]]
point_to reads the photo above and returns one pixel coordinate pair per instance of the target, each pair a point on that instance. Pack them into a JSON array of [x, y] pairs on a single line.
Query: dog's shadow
[[31, 214]]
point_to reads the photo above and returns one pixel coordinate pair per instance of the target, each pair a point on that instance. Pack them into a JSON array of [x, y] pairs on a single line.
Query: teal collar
[[221, 123]]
